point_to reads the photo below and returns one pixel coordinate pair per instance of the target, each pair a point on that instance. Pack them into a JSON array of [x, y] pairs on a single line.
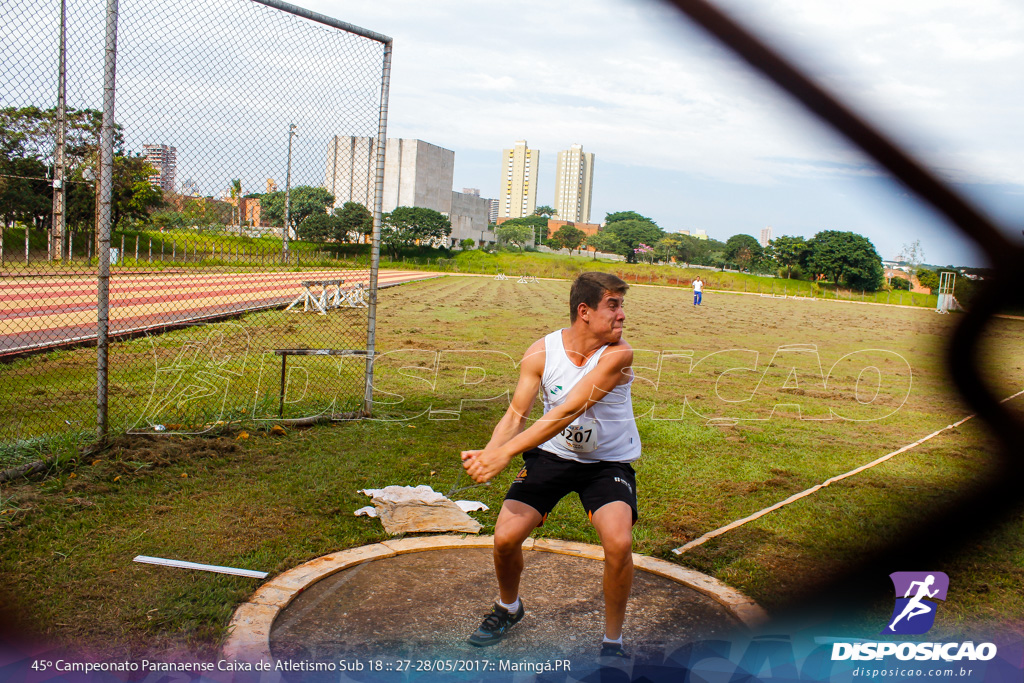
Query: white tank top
[[607, 430]]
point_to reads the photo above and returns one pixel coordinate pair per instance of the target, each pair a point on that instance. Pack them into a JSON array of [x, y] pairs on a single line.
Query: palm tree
[[236, 196]]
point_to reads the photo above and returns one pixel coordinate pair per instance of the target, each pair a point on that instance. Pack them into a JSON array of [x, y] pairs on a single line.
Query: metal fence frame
[[105, 187]]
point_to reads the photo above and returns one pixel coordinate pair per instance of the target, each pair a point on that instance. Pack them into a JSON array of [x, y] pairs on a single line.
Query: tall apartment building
[[492, 213], [574, 181], [766, 236], [165, 160], [416, 173], [519, 168]]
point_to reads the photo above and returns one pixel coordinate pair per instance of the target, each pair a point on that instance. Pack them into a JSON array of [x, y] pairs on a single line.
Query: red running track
[[53, 311]]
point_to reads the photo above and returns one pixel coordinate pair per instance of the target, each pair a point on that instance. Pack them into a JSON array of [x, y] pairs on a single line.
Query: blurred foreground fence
[[164, 206], [998, 499]]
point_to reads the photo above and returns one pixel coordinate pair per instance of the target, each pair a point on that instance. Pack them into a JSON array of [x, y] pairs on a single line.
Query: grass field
[[731, 398]]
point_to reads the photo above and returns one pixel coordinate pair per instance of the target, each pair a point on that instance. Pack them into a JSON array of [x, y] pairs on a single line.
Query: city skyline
[[694, 139]]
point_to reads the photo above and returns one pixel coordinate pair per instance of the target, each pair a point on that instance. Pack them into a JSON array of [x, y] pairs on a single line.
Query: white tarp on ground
[[416, 509]]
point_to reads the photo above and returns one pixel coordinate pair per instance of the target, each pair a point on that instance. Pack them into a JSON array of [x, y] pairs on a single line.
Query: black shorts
[[546, 478]]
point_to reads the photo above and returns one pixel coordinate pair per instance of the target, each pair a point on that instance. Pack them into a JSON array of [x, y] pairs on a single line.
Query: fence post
[[378, 199], [136, 250], [103, 219], [150, 250]]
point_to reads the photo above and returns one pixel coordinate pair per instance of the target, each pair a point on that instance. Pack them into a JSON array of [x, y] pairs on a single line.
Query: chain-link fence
[[233, 238]]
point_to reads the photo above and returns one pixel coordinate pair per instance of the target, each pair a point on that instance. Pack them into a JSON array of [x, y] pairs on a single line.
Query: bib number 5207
[[580, 438]]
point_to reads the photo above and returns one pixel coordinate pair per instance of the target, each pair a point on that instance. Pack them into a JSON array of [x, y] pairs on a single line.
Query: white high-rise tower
[[574, 180], [519, 167]]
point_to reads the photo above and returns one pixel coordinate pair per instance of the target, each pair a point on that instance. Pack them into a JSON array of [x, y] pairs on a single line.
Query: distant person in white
[[698, 290], [914, 607]]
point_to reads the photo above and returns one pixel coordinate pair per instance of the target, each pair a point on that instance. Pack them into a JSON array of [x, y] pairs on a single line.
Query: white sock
[[513, 608], [613, 641]]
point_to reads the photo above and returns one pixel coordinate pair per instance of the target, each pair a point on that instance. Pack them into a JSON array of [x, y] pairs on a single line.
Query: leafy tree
[[305, 201], [167, 220], [468, 243], [632, 233], [672, 246], [899, 283], [539, 225], [644, 253], [318, 227], [511, 232], [742, 251], [846, 258], [133, 198], [408, 225], [34, 132], [606, 242], [570, 236], [788, 251], [201, 213], [353, 217], [555, 242], [928, 278], [25, 195], [544, 211], [610, 218]]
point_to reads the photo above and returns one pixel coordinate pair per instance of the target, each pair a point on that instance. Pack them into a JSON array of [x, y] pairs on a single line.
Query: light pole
[[288, 189], [56, 241]]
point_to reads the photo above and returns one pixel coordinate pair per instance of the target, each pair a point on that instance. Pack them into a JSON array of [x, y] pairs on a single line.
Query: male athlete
[[583, 443]]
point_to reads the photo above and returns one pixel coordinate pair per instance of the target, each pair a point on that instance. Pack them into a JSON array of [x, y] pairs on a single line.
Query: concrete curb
[[249, 631]]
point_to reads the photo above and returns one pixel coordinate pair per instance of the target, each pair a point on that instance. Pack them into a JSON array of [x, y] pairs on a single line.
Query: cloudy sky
[[684, 133]]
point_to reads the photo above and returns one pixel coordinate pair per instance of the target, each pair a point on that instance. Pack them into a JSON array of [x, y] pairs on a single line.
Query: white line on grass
[[797, 496]]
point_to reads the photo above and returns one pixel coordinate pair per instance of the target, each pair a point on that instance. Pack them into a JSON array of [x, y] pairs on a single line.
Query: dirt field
[[741, 403]]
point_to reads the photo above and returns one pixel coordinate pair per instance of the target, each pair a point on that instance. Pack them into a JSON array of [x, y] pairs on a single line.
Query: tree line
[[842, 257], [27, 143]]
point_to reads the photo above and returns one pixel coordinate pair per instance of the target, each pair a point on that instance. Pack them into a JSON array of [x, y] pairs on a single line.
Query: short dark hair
[[589, 288]]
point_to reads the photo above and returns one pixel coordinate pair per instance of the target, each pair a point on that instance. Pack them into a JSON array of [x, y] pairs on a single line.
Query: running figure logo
[[914, 612]]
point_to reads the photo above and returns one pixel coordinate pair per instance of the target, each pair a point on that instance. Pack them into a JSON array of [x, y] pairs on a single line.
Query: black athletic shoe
[[496, 625], [613, 650]]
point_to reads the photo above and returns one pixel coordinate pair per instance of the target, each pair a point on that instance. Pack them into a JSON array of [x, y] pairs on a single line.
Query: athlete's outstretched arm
[[594, 386]]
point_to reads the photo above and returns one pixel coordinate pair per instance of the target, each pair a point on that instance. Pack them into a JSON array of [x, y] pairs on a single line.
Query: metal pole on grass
[[378, 202], [288, 193], [56, 241], [103, 219]]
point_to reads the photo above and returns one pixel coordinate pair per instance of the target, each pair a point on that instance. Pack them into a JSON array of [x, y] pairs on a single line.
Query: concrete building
[[766, 236], [469, 218], [518, 184], [165, 160], [271, 185], [416, 173], [700, 234], [351, 170], [574, 181], [471, 190], [492, 214]]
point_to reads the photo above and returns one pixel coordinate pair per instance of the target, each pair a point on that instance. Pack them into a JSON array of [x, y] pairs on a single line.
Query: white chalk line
[[839, 477]]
